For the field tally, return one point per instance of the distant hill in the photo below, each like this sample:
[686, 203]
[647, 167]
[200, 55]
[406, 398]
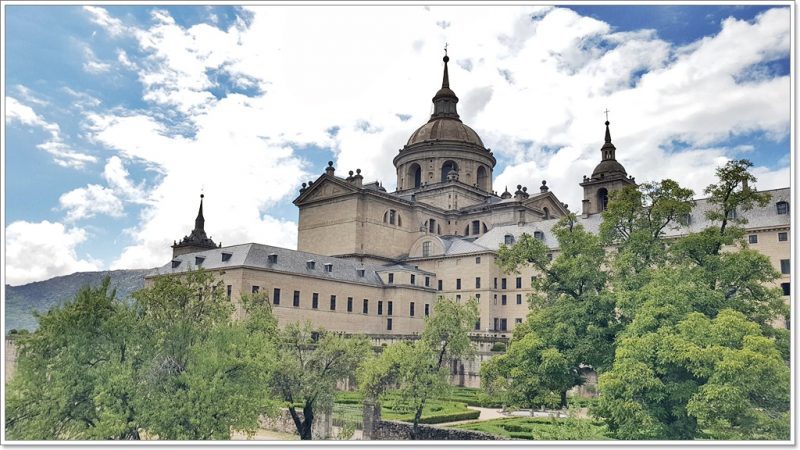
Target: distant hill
[41, 296]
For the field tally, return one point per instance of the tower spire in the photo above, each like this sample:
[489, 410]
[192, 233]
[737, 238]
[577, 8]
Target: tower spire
[200, 221]
[444, 102]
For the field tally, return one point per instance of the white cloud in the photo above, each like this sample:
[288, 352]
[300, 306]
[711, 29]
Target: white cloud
[63, 154]
[100, 16]
[92, 64]
[38, 251]
[86, 202]
[314, 70]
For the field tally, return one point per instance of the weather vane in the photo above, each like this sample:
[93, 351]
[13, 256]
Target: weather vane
[445, 49]
[606, 111]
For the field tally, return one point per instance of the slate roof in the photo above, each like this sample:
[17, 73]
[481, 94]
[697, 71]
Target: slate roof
[290, 261]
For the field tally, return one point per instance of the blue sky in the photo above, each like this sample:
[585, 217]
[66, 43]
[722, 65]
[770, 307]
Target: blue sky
[116, 117]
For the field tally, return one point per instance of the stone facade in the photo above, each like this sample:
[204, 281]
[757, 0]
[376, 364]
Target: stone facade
[436, 236]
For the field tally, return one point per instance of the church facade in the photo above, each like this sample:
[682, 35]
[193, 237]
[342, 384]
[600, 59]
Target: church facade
[371, 261]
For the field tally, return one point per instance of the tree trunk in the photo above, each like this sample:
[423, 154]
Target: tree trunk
[308, 420]
[417, 417]
[563, 399]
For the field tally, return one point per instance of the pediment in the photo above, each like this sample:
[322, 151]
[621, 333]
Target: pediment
[549, 201]
[325, 187]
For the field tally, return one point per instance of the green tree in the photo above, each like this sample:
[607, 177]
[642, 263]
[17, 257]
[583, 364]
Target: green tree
[706, 378]
[309, 363]
[74, 374]
[418, 371]
[571, 312]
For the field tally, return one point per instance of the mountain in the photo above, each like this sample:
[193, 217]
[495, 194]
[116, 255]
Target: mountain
[41, 296]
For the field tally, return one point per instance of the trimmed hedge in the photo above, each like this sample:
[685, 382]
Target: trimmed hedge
[452, 417]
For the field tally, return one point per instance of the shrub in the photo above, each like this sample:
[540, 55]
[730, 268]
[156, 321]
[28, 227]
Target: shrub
[451, 417]
[498, 347]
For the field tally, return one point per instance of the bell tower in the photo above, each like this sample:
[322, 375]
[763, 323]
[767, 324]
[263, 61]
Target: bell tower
[608, 176]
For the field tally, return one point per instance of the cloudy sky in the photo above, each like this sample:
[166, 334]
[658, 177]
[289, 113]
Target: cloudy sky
[117, 117]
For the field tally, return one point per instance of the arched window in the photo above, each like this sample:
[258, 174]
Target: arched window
[466, 231]
[602, 199]
[431, 225]
[446, 168]
[426, 248]
[783, 207]
[415, 175]
[476, 227]
[538, 235]
[482, 179]
[546, 213]
[438, 229]
[391, 217]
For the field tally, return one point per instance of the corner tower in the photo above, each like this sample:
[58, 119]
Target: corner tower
[608, 176]
[196, 241]
[444, 150]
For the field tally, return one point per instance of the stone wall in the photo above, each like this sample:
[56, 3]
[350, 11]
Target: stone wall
[11, 357]
[321, 429]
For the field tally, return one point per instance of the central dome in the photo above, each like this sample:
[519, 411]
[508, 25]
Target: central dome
[445, 129]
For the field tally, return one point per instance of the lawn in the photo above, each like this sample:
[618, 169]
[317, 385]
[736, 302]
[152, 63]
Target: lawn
[436, 410]
[541, 428]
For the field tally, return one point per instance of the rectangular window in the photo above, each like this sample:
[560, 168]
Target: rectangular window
[427, 281]
[478, 298]
[296, 299]
[753, 239]
[333, 303]
[783, 236]
[495, 299]
[229, 291]
[785, 287]
[389, 308]
[477, 260]
[458, 297]
[478, 325]
[785, 267]
[427, 309]
[413, 279]
[440, 285]
[315, 300]
[411, 309]
[391, 278]
[519, 282]
[783, 208]
[517, 320]
[549, 256]
[477, 282]
[254, 289]
[276, 296]
[458, 283]
[503, 299]
[328, 267]
[426, 248]
[388, 324]
[496, 324]
[366, 306]
[380, 307]
[519, 299]
[349, 304]
[495, 283]
[503, 324]
[503, 284]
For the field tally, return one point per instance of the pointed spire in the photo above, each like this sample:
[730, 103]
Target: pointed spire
[200, 221]
[444, 102]
[608, 150]
[608, 133]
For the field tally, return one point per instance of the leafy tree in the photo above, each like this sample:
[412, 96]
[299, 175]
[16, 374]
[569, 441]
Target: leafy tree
[74, 374]
[171, 363]
[571, 312]
[418, 371]
[308, 365]
[702, 378]
[733, 194]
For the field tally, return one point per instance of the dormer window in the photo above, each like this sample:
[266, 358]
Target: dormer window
[732, 214]
[198, 260]
[310, 264]
[328, 267]
[538, 235]
[272, 258]
[686, 219]
[783, 207]
[508, 239]
[226, 256]
[360, 272]
[176, 263]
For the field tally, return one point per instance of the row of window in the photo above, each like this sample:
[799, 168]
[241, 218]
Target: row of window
[276, 300]
[500, 324]
[413, 280]
[783, 236]
[503, 283]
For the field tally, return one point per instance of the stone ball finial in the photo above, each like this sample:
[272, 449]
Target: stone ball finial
[330, 163]
[358, 171]
[304, 185]
[202, 195]
[544, 182]
[525, 189]
[519, 186]
[350, 173]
